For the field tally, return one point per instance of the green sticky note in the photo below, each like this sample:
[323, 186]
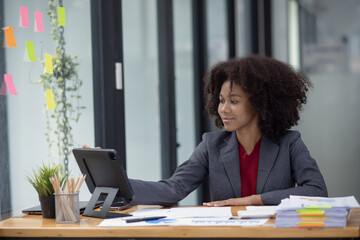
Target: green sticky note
[61, 11]
[308, 210]
[30, 51]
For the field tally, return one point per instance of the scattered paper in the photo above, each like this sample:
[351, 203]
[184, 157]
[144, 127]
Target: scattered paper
[119, 222]
[294, 202]
[151, 212]
[187, 216]
[200, 212]
[220, 222]
[260, 208]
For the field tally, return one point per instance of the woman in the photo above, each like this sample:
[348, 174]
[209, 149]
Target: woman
[257, 160]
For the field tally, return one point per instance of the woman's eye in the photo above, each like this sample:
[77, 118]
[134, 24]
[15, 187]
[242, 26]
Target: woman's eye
[222, 101]
[234, 101]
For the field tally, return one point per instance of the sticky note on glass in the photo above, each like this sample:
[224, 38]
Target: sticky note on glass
[9, 84]
[39, 26]
[9, 39]
[50, 101]
[61, 14]
[3, 88]
[30, 52]
[48, 64]
[24, 17]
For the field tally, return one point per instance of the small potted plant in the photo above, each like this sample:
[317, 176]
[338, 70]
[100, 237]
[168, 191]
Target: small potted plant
[40, 180]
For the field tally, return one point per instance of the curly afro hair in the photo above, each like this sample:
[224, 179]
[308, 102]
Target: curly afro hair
[276, 91]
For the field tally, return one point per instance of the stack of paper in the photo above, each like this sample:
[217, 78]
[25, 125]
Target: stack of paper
[183, 216]
[303, 211]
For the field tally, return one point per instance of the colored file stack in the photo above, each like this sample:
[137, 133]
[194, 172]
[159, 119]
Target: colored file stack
[302, 211]
[312, 217]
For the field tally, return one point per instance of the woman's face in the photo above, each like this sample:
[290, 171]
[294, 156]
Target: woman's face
[235, 109]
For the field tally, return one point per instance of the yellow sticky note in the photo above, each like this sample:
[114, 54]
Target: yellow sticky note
[30, 51]
[48, 64]
[50, 101]
[61, 12]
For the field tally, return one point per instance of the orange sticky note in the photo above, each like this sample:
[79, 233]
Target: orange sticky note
[61, 14]
[9, 39]
[39, 26]
[48, 64]
[50, 101]
[24, 17]
[8, 81]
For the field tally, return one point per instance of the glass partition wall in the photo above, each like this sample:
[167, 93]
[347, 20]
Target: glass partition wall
[26, 112]
[323, 39]
[23, 122]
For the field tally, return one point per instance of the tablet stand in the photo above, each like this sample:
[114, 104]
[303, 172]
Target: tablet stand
[104, 211]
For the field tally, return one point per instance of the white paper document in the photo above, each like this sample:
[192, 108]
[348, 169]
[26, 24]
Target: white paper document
[118, 222]
[219, 222]
[151, 212]
[194, 216]
[182, 212]
[295, 202]
[257, 212]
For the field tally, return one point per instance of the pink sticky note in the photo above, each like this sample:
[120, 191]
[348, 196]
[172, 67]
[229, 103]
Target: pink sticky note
[39, 27]
[24, 20]
[9, 82]
[3, 89]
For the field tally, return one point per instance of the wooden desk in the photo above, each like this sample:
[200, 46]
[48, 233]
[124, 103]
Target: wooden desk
[25, 226]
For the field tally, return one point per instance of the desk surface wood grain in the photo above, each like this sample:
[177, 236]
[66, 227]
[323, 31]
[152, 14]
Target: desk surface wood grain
[36, 226]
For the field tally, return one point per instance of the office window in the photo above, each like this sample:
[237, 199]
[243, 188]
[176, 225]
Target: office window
[323, 40]
[26, 122]
[243, 28]
[218, 46]
[141, 86]
[184, 84]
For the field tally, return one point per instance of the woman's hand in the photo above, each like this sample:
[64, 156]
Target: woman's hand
[88, 147]
[245, 201]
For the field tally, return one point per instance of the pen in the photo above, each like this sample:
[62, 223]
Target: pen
[139, 219]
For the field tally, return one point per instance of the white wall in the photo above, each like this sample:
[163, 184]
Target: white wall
[27, 143]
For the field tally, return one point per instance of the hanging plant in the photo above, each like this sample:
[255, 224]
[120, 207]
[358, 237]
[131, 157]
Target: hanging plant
[66, 85]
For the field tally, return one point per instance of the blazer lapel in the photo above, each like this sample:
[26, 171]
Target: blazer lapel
[268, 153]
[230, 157]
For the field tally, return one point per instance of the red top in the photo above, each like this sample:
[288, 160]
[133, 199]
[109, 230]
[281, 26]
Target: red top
[249, 169]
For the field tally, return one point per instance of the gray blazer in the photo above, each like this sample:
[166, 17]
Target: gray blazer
[282, 165]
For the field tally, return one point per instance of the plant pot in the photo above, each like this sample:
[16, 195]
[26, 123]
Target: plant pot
[47, 204]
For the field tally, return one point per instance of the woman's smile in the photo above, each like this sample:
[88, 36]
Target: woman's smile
[227, 120]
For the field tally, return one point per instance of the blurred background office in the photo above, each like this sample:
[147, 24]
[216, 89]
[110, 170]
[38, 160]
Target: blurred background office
[142, 63]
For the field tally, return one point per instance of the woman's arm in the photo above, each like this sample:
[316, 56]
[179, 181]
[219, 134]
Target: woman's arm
[187, 177]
